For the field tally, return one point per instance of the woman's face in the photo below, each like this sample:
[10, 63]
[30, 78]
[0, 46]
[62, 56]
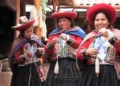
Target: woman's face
[64, 23]
[28, 32]
[101, 21]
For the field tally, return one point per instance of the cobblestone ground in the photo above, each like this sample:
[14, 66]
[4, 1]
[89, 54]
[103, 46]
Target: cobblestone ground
[5, 77]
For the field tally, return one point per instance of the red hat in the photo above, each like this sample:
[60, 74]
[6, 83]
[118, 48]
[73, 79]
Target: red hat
[102, 7]
[25, 23]
[61, 14]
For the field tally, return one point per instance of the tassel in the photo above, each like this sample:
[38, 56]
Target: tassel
[97, 66]
[58, 50]
[56, 69]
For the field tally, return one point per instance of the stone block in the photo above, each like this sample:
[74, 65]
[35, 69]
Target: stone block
[5, 78]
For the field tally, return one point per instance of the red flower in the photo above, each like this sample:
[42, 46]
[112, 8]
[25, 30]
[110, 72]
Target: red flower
[26, 47]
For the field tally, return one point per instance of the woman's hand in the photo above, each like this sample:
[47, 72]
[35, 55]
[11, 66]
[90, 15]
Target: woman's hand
[54, 41]
[29, 54]
[64, 36]
[106, 33]
[40, 52]
[103, 32]
[91, 52]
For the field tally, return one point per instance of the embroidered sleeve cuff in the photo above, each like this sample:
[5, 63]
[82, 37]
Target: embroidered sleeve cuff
[38, 54]
[50, 46]
[22, 59]
[49, 50]
[84, 55]
[114, 40]
[70, 41]
[38, 63]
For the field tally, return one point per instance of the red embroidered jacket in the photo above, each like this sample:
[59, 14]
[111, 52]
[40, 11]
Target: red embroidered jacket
[89, 41]
[75, 44]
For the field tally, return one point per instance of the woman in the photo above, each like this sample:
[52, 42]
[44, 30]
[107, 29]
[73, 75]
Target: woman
[25, 56]
[60, 49]
[100, 48]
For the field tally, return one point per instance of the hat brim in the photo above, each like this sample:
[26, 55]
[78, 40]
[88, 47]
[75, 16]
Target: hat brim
[64, 14]
[25, 25]
[109, 10]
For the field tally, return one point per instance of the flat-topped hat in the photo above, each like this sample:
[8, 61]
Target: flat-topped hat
[61, 14]
[25, 23]
[101, 7]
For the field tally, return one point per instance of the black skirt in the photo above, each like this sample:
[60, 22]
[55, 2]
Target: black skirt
[69, 74]
[26, 76]
[107, 76]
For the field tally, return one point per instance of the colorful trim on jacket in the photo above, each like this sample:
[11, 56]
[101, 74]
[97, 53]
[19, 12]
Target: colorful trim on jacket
[17, 44]
[106, 53]
[63, 50]
[110, 51]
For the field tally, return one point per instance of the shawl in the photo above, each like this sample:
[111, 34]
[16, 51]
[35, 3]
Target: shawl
[17, 44]
[77, 31]
[116, 61]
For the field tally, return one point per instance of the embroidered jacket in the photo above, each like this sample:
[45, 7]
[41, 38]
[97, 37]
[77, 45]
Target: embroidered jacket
[89, 41]
[65, 49]
[19, 48]
[112, 54]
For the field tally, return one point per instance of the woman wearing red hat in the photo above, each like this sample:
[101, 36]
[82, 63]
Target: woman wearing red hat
[25, 56]
[61, 50]
[100, 49]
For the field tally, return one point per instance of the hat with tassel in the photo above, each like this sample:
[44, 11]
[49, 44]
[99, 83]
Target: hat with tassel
[25, 23]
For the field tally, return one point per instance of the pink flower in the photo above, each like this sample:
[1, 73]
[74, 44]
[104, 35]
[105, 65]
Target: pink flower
[25, 47]
[23, 19]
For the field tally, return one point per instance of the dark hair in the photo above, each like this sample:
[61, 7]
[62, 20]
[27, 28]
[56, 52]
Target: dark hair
[70, 19]
[87, 25]
[107, 16]
[22, 33]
